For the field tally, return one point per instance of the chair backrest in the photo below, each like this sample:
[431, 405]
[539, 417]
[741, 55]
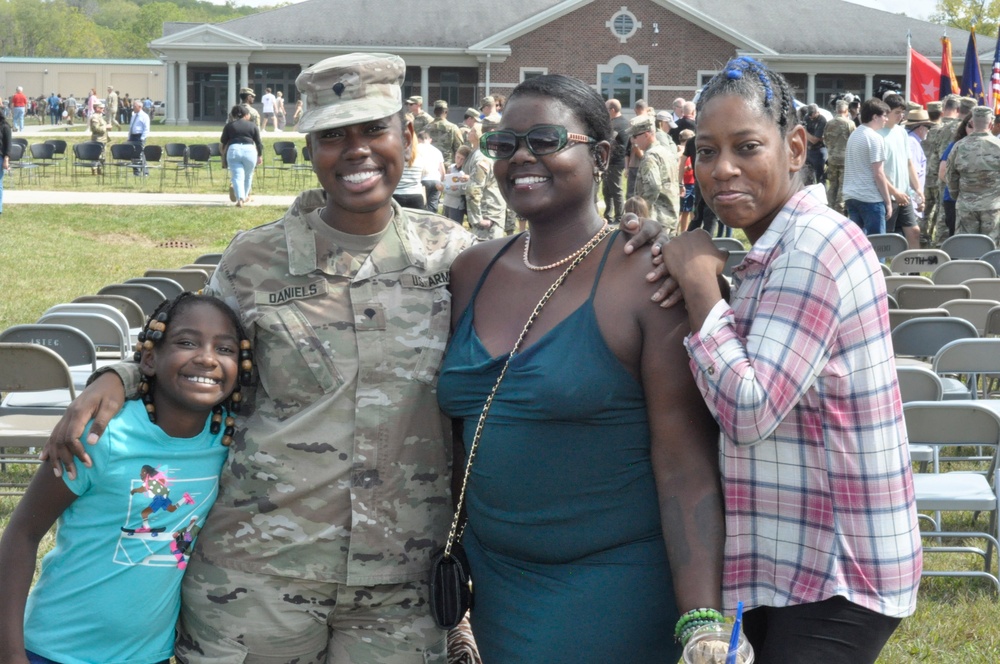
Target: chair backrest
[199, 153]
[88, 151]
[144, 295]
[928, 297]
[215, 150]
[983, 289]
[890, 301]
[289, 156]
[918, 260]
[190, 280]
[106, 333]
[728, 244]
[70, 343]
[42, 151]
[918, 384]
[897, 316]
[968, 245]
[958, 271]
[306, 154]
[924, 337]
[125, 151]
[968, 356]
[208, 259]
[975, 311]
[153, 153]
[280, 146]
[734, 259]
[951, 423]
[92, 308]
[26, 367]
[176, 150]
[887, 245]
[993, 258]
[19, 140]
[993, 322]
[128, 307]
[15, 152]
[59, 145]
[894, 281]
[168, 287]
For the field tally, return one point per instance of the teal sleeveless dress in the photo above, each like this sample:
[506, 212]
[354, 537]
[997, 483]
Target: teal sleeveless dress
[564, 536]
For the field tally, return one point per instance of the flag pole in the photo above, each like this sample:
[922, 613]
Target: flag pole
[909, 56]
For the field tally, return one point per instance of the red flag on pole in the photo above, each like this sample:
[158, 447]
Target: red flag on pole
[925, 79]
[949, 84]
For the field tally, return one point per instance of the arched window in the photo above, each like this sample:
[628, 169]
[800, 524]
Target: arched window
[624, 84]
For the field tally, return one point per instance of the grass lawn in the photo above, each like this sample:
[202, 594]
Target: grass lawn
[51, 254]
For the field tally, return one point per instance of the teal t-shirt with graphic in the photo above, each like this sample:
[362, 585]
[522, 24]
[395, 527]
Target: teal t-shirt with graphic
[110, 589]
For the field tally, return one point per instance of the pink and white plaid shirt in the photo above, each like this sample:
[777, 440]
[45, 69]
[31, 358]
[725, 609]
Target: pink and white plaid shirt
[799, 373]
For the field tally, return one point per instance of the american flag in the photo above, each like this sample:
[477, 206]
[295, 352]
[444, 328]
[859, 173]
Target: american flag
[995, 80]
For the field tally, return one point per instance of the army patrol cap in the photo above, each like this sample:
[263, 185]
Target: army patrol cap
[640, 124]
[440, 103]
[487, 100]
[98, 104]
[982, 112]
[349, 89]
[472, 113]
[966, 105]
[248, 91]
[415, 99]
[934, 106]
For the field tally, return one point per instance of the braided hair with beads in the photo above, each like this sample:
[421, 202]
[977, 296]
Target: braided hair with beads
[154, 332]
[758, 84]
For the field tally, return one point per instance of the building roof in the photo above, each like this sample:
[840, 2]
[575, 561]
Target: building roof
[824, 28]
[81, 61]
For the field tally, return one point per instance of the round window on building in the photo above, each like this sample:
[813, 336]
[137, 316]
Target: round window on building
[623, 24]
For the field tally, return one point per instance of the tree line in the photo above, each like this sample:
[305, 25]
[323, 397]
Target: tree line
[99, 28]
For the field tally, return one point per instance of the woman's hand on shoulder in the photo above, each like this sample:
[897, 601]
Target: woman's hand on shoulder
[690, 259]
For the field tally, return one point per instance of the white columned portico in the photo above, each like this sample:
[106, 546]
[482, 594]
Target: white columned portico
[245, 74]
[869, 86]
[231, 86]
[182, 98]
[811, 88]
[171, 110]
[425, 84]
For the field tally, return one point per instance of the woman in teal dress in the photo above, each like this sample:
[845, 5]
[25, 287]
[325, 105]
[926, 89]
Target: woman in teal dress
[594, 508]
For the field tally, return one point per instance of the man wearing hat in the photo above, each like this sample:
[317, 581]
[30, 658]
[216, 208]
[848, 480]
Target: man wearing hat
[973, 177]
[112, 106]
[247, 96]
[445, 135]
[657, 180]
[470, 121]
[98, 124]
[421, 118]
[835, 135]
[931, 192]
[488, 110]
[917, 124]
[335, 497]
[664, 122]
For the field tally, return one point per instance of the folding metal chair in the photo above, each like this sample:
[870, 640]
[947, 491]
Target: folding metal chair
[897, 316]
[919, 340]
[959, 271]
[146, 296]
[975, 311]
[168, 287]
[111, 341]
[915, 261]
[968, 245]
[128, 307]
[189, 280]
[929, 297]
[887, 245]
[728, 244]
[894, 281]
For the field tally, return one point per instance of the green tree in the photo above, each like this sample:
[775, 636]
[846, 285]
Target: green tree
[984, 15]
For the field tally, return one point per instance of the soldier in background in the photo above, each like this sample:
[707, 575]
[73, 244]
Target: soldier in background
[973, 176]
[470, 121]
[247, 96]
[421, 118]
[657, 179]
[932, 193]
[484, 205]
[445, 135]
[835, 136]
[488, 110]
[112, 106]
[937, 140]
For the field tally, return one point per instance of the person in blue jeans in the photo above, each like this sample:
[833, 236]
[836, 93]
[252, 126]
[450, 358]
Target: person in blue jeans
[5, 138]
[866, 187]
[240, 142]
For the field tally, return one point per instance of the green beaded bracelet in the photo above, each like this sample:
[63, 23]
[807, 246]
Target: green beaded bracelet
[699, 615]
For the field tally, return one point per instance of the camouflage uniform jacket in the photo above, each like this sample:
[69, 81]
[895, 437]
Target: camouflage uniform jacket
[482, 195]
[421, 120]
[835, 136]
[446, 137]
[340, 468]
[254, 116]
[938, 139]
[974, 172]
[657, 183]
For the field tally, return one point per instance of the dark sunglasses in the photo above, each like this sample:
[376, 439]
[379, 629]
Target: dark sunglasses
[540, 140]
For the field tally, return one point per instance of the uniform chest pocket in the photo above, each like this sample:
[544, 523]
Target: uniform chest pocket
[294, 367]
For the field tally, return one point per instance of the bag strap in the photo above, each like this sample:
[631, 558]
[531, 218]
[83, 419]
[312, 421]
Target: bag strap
[455, 534]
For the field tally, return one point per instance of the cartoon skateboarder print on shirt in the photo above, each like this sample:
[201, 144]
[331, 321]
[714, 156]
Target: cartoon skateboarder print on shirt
[155, 486]
[183, 540]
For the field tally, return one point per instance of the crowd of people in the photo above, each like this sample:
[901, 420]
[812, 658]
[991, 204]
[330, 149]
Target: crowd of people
[59, 109]
[623, 473]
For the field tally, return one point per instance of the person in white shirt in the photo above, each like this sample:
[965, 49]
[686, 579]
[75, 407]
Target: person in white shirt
[267, 103]
[432, 171]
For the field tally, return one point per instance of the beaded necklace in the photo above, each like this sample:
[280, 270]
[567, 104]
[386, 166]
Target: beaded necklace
[542, 268]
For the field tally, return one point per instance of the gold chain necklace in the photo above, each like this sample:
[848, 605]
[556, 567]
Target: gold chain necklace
[542, 268]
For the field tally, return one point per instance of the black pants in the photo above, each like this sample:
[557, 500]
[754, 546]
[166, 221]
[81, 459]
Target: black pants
[614, 199]
[949, 216]
[413, 201]
[137, 139]
[834, 631]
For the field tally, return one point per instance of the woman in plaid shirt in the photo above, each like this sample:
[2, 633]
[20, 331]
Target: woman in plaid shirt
[822, 543]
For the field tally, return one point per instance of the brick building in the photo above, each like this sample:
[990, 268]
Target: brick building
[652, 49]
